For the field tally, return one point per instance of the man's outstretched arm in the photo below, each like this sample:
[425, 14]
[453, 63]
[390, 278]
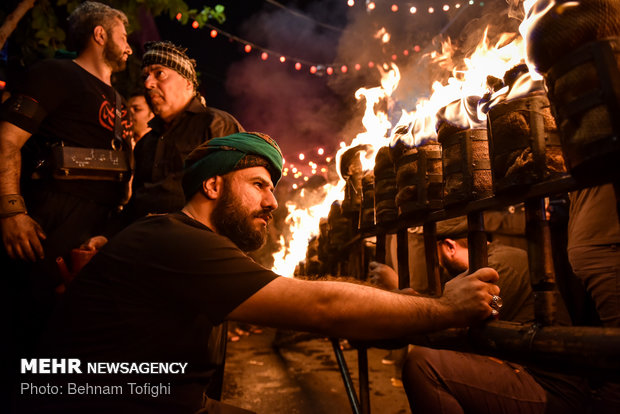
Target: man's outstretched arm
[361, 312]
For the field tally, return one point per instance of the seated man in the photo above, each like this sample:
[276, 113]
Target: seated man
[157, 289]
[443, 381]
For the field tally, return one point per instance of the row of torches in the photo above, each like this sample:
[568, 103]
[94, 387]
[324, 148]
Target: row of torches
[572, 126]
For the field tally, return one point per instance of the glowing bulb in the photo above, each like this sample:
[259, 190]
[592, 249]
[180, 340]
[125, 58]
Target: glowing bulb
[284, 173]
[195, 24]
[305, 178]
[264, 55]
[371, 64]
[297, 66]
[294, 186]
[329, 70]
[301, 157]
[323, 169]
[213, 33]
[358, 66]
[247, 48]
[179, 16]
[406, 52]
[294, 170]
[320, 151]
[394, 57]
[351, 3]
[413, 10]
[328, 159]
[371, 5]
[394, 8]
[457, 6]
[446, 7]
[431, 10]
[282, 59]
[342, 144]
[312, 69]
[416, 48]
[344, 69]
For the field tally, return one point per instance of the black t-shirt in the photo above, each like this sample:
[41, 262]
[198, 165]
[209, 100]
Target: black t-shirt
[76, 108]
[153, 293]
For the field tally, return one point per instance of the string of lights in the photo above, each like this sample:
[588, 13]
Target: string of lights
[415, 8]
[317, 68]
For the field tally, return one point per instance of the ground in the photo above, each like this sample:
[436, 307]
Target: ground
[297, 373]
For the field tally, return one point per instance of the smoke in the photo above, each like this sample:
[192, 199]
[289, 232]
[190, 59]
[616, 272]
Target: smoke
[303, 111]
[298, 109]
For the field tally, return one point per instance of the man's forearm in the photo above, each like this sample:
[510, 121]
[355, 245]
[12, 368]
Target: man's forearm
[361, 312]
[12, 139]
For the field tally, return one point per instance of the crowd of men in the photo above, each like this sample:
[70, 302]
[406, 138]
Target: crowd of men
[181, 195]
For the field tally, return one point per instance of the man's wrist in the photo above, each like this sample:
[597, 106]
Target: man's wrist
[12, 205]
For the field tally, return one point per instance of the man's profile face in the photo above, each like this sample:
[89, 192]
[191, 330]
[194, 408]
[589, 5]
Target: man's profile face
[243, 211]
[116, 50]
[168, 92]
[141, 115]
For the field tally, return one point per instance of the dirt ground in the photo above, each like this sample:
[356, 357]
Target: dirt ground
[297, 373]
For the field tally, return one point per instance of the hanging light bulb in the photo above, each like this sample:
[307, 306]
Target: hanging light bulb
[329, 70]
[282, 59]
[213, 33]
[371, 64]
[264, 56]
[297, 66]
[247, 48]
[413, 10]
[313, 69]
[179, 16]
[344, 69]
[195, 24]
[351, 3]
[394, 8]
[358, 66]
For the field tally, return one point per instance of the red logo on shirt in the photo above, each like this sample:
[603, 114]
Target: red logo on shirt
[106, 115]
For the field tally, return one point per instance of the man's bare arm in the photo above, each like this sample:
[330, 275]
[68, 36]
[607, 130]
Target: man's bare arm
[21, 235]
[361, 312]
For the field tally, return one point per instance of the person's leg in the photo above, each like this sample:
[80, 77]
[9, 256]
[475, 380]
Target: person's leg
[439, 381]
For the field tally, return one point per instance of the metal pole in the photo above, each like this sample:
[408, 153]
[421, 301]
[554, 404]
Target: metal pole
[346, 377]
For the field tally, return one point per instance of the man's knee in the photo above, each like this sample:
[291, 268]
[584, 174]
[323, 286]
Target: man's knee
[417, 367]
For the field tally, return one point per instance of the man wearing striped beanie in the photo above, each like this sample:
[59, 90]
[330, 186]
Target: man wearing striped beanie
[182, 122]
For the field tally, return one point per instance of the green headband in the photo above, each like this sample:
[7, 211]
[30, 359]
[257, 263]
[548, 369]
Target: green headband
[224, 153]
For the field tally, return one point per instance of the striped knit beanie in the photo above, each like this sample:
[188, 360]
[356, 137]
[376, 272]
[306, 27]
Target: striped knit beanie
[171, 56]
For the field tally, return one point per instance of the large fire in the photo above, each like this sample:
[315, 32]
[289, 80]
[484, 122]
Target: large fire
[461, 100]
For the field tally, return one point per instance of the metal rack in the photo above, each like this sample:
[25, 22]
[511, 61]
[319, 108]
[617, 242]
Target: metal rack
[583, 348]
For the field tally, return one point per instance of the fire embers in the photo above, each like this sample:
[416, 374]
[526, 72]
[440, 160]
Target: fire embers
[577, 48]
[385, 187]
[466, 165]
[418, 177]
[523, 142]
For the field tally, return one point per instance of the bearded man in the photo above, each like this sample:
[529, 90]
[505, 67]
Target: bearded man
[157, 289]
[61, 103]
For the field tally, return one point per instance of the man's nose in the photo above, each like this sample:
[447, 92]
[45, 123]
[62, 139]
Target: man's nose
[269, 201]
[149, 82]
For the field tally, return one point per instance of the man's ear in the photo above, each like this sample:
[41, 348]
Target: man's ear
[212, 187]
[99, 35]
[449, 246]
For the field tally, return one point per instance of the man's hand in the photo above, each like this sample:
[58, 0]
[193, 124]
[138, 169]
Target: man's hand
[22, 237]
[469, 296]
[94, 243]
[383, 276]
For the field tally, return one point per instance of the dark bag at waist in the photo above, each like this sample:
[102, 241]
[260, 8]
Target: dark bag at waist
[76, 163]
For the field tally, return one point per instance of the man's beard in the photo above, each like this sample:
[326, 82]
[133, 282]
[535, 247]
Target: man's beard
[113, 56]
[236, 222]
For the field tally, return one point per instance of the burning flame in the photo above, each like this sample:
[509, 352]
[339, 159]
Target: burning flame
[304, 224]
[458, 100]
